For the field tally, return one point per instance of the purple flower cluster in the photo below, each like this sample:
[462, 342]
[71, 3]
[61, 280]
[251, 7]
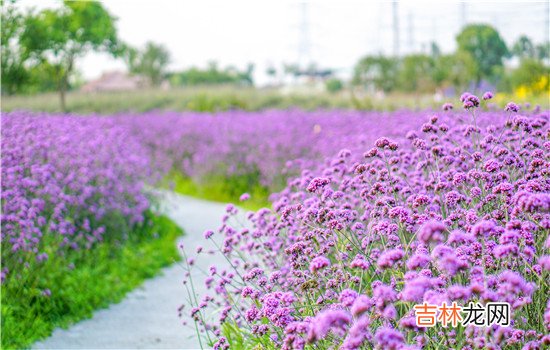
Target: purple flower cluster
[268, 147]
[63, 179]
[455, 209]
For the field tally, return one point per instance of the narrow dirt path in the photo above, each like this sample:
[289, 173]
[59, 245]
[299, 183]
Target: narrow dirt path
[147, 318]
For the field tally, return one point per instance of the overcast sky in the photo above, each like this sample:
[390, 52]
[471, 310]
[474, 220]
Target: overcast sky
[334, 34]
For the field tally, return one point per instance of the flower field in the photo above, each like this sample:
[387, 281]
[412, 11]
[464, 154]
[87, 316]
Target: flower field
[77, 227]
[444, 208]
[373, 213]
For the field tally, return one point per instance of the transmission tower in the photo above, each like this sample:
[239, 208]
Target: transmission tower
[547, 22]
[463, 14]
[411, 32]
[304, 45]
[395, 28]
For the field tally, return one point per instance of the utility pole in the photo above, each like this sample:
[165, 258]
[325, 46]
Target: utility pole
[395, 28]
[547, 22]
[463, 14]
[411, 32]
[304, 46]
[434, 32]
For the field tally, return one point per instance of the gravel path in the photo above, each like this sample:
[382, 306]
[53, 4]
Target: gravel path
[147, 318]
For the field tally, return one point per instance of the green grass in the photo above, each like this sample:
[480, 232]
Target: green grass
[201, 99]
[221, 98]
[101, 276]
[217, 189]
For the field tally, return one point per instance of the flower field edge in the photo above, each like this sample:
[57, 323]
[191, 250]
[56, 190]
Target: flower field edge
[101, 276]
[221, 189]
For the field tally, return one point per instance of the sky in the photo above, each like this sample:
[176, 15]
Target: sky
[332, 33]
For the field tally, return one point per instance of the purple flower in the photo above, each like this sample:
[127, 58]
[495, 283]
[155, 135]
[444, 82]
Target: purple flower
[382, 142]
[532, 202]
[414, 289]
[447, 106]
[418, 260]
[383, 294]
[487, 95]
[389, 338]
[431, 231]
[244, 197]
[361, 304]
[358, 334]
[469, 100]
[318, 263]
[329, 320]
[317, 183]
[347, 297]
[389, 258]
[511, 107]
[544, 261]
[360, 262]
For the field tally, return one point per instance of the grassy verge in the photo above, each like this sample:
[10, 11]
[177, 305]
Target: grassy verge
[201, 99]
[221, 190]
[221, 98]
[82, 281]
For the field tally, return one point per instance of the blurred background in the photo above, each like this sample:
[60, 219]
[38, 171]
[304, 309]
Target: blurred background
[216, 55]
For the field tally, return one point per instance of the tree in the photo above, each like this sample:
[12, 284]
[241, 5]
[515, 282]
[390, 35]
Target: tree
[213, 76]
[378, 71]
[485, 46]
[524, 48]
[435, 51]
[543, 51]
[530, 74]
[291, 69]
[456, 70]
[151, 62]
[416, 73]
[246, 76]
[334, 85]
[14, 73]
[61, 36]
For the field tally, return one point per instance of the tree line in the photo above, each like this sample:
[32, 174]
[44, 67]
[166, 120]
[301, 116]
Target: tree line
[40, 50]
[480, 56]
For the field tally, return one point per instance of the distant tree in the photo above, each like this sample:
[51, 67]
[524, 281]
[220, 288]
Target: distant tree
[291, 69]
[456, 70]
[61, 36]
[543, 51]
[14, 73]
[530, 73]
[416, 73]
[378, 71]
[246, 76]
[486, 47]
[151, 62]
[524, 48]
[271, 71]
[213, 76]
[334, 85]
[435, 51]
[41, 77]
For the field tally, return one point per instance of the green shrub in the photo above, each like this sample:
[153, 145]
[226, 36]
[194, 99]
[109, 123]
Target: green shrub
[334, 85]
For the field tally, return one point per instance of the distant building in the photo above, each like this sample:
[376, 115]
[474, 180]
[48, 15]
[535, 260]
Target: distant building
[115, 81]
